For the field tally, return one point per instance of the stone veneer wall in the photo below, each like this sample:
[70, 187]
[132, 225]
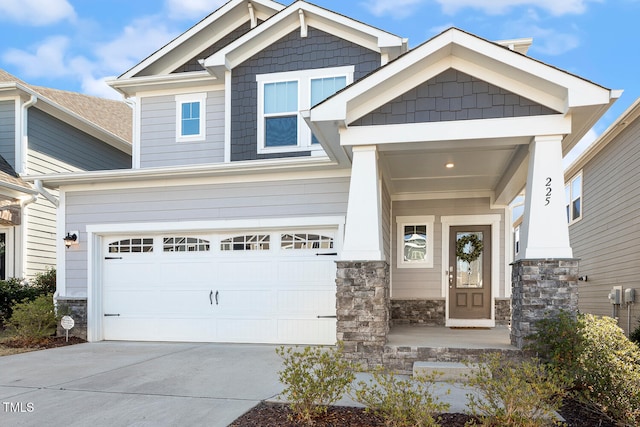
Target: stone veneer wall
[363, 310]
[541, 289]
[77, 309]
[418, 312]
[503, 311]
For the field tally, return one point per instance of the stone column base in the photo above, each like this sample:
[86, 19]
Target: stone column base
[541, 288]
[77, 309]
[362, 310]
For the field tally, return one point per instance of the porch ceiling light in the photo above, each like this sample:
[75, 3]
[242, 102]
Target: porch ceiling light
[449, 165]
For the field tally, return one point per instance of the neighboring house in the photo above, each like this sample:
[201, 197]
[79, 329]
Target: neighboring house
[302, 177]
[603, 195]
[46, 131]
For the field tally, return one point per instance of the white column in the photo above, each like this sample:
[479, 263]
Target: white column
[363, 230]
[545, 232]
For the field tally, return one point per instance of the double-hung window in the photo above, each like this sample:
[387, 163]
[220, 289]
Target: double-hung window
[281, 98]
[190, 117]
[573, 195]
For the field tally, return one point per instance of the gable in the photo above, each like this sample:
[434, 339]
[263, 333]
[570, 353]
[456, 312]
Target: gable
[194, 65]
[291, 53]
[452, 95]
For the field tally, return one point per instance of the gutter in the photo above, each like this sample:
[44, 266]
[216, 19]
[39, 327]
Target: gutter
[24, 138]
[50, 197]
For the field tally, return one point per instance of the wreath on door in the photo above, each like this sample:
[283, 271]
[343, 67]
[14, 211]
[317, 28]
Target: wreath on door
[476, 248]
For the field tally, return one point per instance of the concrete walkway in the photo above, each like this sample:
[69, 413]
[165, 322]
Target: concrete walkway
[145, 384]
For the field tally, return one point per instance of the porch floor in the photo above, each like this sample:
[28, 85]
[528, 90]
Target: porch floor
[443, 337]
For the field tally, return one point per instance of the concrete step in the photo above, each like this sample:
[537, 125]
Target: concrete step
[446, 371]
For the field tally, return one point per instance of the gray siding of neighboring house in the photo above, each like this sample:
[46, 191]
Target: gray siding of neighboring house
[54, 147]
[54, 138]
[8, 132]
[606, 238]
[158, 145]
[426, 283]
[194, 65]
[452, 95]
[269, 199]
[291, 53]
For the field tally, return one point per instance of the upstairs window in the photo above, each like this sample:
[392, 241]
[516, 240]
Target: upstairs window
[281, 98]
[190, 117]
[573, 194]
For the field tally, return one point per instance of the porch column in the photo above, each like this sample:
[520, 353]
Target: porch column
[545, 232]
[544, 275]
[363, 230]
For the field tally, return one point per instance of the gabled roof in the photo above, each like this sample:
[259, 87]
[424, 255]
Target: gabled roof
[299, 15]
[203, 34]
[10, 182]
[105, 119]
[549, 86]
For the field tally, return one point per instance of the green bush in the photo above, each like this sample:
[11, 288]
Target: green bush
[14, 290]
[604, 364]
[35, 319]
[314, 378]
[525, 394]
[401, 402]
[634, 335]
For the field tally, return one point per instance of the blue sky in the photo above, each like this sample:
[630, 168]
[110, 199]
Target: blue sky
[75, 44]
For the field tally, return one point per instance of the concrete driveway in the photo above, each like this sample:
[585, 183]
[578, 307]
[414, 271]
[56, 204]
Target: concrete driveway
[136, 384]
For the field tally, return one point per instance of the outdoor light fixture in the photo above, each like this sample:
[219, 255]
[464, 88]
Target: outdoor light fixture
[71, 238]
[449, 165]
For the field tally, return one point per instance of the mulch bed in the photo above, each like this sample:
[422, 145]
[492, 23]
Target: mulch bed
[42, 343]
[268, 414]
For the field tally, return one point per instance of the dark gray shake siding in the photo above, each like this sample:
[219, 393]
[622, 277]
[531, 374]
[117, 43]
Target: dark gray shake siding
[57, 139]
[8, 132]
[452, 95]
[291, 53]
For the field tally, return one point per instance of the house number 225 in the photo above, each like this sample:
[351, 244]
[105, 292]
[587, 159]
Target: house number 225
[547, 198]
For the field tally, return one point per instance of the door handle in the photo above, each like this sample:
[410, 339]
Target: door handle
[216, 297]
[211, 297]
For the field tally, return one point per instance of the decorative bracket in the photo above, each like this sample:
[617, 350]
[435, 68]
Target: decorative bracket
[303, 24]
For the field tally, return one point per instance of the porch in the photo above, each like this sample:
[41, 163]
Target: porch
[407, 344]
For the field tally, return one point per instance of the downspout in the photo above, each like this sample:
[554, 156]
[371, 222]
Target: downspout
[21, 164]
[50, 197]
[20, 265]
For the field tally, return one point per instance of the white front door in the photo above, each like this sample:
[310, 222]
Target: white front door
[258, 287]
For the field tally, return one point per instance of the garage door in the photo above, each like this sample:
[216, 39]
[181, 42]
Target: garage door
[251, 287]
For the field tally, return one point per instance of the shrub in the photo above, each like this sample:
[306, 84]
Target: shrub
[313, 378]
[35, 319]
[401, 402]
[15, 290]
[45, 283]
[526, 393]
[604, 364]
[634, 335]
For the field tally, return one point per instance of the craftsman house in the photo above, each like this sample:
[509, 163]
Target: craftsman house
[603, 195]
[44, 131]
[299, 176]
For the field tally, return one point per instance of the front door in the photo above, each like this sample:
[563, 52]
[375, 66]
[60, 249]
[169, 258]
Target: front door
[470, 272]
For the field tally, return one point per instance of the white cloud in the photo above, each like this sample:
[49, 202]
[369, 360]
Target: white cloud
[546, 40]
[192, 9]
[36, 12]
[499, 7]
[394, 8]
[48, 59]
[579, 148]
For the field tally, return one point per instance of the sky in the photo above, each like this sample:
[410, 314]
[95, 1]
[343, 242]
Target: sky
[75, 44]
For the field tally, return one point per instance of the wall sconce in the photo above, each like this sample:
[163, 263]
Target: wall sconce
[71, 238]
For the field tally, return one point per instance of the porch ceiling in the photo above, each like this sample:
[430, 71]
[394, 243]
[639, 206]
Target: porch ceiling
[421, 168]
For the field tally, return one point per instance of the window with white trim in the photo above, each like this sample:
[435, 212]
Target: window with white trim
[281, 98]
[247, 242]
[415, 241]
[305, 241]
[190, 117]
[573, 195]
[185, 244]
[136, 245]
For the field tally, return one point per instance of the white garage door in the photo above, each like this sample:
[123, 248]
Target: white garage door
[257, 287]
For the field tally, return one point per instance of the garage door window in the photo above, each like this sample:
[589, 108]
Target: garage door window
[185, 244]
[247, 242]
[306, 241]
[131, 246]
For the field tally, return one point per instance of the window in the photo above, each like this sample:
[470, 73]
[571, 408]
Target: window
[305, 241]
[131, 246]
[573, 195]
[249, 242]
[190, 117]
[415, 241]
[281, 97]
[185, 244]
